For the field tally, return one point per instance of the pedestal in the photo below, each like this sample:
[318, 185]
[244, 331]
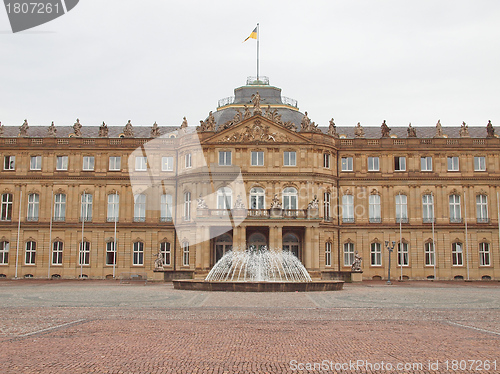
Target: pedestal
[357, 276]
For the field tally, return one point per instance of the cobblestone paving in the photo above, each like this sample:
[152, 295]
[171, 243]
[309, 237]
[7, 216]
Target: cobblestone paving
[107, 327]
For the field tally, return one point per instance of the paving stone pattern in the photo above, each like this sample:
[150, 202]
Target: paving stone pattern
[107, 327]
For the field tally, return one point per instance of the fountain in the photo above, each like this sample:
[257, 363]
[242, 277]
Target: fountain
[258, 270]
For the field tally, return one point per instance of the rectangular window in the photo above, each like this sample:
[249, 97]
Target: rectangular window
[140, 208]
[36, 163]
[141, 163]
[62, 163]
[6, 211]
[429, 254]
[115, 163]
[401, 209]
[30, 253]
[348, 208]
[327, 206]
[479, 163]
[113, 207]
[9, 163]
[403, 255]
[427, 208]
[374, 209]
[59, 207]
[373, 164]
[453, 163]
[166, 208]
[482, 208]
[455, 213]
[290, 158]
[185, 254]
[326, 160]
[425, 163]
[257, 158]
[224, 158]
[33, 205]
[88, 163]
[110, 253]
[165, 253]
[187, 160]
[4, 253]
[328, 254]
[84, 253]
[457, 254]
[400, 163]
[86, 207]
[187, 206]
[346, 164]
[167, 163]
[348, 254]
[484, 254]
[138, 253]
[57, 252]
[376, 254]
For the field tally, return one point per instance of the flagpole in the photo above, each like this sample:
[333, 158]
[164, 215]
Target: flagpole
[434, 254]
[114, 245]
[18, 229]
[50, 231]
[82, 248]
[258, 36]
[466, 236]
[498, 212]
[400, 242]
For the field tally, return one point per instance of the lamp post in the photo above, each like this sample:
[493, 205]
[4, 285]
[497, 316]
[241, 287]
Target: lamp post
[389, 248]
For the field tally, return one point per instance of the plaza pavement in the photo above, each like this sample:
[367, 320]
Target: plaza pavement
[107, 327]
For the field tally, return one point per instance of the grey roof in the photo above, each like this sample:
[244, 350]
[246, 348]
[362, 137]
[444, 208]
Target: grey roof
[87, 131]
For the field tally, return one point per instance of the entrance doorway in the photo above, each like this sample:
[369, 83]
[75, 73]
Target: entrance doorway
[291, 243]
[223, 244]
[257, 241]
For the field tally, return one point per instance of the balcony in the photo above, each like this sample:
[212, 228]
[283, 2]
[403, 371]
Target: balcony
[32, 219]
[59, 219]
[87, 219]
[402, 220]
[456, 220]
[347, 220]
[165, 219]
[257, 213]
[483, 220]
[375, 220]
[112, 219]
[139, 219]
[428, 220]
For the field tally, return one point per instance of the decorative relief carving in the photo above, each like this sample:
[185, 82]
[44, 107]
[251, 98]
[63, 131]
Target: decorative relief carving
[255, 132]
[307, 126]
[208, 125]
[464, 130]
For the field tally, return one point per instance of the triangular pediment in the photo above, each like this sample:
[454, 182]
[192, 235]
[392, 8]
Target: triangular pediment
[256, 129]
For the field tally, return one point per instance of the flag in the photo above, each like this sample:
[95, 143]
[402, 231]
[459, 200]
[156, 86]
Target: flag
[253, 35]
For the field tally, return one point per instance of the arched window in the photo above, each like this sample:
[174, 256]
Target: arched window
[455, 213]
[33, 205]
[224, 198]
[257, 241]
[257, 198]
[457, 254]
[113, 207]
[86, 211]
[6, 211]
[59, 207]
[84, 251]
[4, 253]
[291, 243]
[223, 244]
[165, 252]
[138, 249]
[30, 253]
[290, 198]
[187, 206]
[57, 253]
[139, 208]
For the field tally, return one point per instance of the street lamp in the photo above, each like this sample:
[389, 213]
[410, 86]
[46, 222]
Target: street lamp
[389, 248]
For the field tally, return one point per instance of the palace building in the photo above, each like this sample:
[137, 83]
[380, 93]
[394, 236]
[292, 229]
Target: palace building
[168, 202]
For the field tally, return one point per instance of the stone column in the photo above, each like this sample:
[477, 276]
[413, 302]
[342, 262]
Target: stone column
[307, 254]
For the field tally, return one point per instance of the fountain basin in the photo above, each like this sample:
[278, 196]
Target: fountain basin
[257, 286]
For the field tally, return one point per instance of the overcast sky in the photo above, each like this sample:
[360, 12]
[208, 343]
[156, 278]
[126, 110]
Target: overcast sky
[157, 60]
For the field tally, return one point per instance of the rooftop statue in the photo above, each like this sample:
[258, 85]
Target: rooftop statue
[386, 131]
[201, 203]
[23, 129]
[412, 132]
[128, 130]
[332, 129]
[275, 203]
[358, 131]
[77, 128]
[464, 131]
[439, 130]
[256, 103]
[490, 130]
[184, 123]
[1, 129]
[103, 130]
[155, 130]
[52, 131]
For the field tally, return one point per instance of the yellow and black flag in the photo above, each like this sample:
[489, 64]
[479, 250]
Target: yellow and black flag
[253, 35]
